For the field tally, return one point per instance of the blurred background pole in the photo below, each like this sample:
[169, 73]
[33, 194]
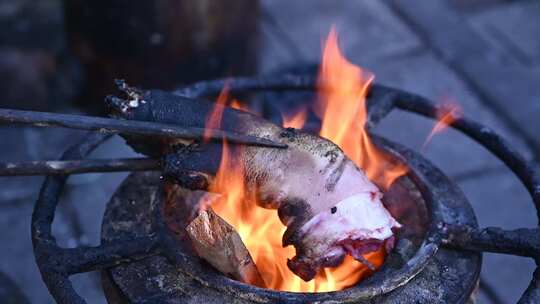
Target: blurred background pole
[161, 43]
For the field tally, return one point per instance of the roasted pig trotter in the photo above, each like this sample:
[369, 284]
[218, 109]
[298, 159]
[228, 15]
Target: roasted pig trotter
[328, 204]
[220, 245]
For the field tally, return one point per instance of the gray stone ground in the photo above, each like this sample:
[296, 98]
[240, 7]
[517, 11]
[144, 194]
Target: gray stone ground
[483, 54]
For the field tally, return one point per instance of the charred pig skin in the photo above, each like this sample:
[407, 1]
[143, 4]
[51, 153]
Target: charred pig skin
[328, 204]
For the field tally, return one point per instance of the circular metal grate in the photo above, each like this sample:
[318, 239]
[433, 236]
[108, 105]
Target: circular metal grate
[57, 264]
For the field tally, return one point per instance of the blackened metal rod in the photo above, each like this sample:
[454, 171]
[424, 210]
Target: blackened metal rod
[243, 84]
[131, 127]
[45, 246]
[84, 259]
[62, 167]
[522, 242]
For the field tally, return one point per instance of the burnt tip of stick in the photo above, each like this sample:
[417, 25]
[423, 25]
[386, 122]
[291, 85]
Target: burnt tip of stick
[120, 84]
[132, 92]
[116, 106]
[114, 102]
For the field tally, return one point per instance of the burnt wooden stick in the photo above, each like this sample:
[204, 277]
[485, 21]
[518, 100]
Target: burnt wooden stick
[62, 167]
[132, 127]
[219, 244]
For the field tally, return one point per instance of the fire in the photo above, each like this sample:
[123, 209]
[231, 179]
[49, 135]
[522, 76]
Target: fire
[343, 88]
[446, 115]
[261, 231]
[295, 119]
[341, 104]
[237, 104]
[213, 121]
[259, 228]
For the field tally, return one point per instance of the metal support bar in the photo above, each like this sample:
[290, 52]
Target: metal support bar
[381, 101]
[132, 127]
[522, 242]
[63, 167]
[84, 259]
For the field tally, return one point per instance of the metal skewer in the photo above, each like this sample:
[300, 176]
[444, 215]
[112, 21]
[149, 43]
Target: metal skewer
[132, 127]
[57, 167]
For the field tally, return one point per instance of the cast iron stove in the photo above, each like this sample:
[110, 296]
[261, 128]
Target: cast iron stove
[437, 257]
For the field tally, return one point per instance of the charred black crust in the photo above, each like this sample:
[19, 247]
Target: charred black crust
[266, 200]
[122, 85]
[333, 155]
[188, 179]
[174, 172]
[306, 268]
[333, 261]
[114, 105]
[305, 271]
[190, 165]
[199, 158]
[292, 208]
[335, 176]
[289, 134]
[180, 148]
[295, 212]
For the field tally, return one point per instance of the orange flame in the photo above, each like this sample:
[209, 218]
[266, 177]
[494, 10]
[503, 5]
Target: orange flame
[449, 112]
[343, 88]
[213, 121]
[295, 119]
[261, 230]
[341, 103]
[236, 104]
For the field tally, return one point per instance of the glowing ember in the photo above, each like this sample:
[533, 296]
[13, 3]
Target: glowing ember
[341, 105]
